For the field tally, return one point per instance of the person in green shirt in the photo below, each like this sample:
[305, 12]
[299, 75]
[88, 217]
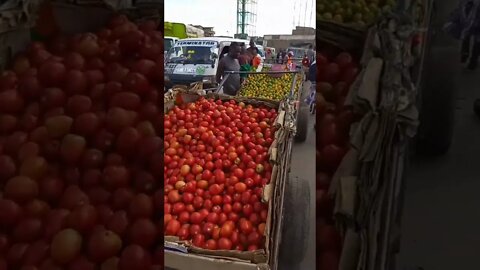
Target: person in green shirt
[244, 60]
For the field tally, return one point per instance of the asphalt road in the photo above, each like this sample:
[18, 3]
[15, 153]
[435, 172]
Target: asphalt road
[441, 222]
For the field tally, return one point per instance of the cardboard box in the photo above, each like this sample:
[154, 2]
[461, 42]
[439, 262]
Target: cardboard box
[182, 255]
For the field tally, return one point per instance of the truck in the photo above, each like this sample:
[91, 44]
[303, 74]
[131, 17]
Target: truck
[174, 31]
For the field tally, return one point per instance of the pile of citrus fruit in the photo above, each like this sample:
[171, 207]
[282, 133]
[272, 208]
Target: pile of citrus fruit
[269, 87]
[357, 12]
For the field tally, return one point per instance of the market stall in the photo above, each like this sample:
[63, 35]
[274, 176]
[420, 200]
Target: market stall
[257, 92]
[80, 135]
[255, 248]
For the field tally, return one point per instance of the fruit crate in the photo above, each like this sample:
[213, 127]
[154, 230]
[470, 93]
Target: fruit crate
[182, 254]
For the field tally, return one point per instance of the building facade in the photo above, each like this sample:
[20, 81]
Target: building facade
[301, 37]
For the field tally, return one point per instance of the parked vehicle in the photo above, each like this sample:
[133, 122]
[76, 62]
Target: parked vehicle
[195, 59]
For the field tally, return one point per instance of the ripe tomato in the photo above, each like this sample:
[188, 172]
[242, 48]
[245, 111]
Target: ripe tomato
[199, 240]
[207, 204]
[238, 173]
[217, 199]
[227, 208]
[198, 202]
[227, 229]
[224, 243]
[213, 218]
[196, 218]
[207, 228]
[247, 210]
[240, 187]
[215, 189]
[246, 226]
[184, 217]
[211, 244]
[172, 227]
[195, 229]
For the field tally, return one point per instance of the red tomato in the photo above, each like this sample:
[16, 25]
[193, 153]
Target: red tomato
[196, 218]
[211, 244]
[246, 226]
[172, 227]
[224, 243]
[199, 240]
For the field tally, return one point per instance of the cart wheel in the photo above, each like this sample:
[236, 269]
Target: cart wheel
[295, 232]
[302, 124]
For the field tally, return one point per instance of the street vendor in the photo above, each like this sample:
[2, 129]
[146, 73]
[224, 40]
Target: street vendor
[230, 63]
[244, 57]
[257, 59]
[245, 61]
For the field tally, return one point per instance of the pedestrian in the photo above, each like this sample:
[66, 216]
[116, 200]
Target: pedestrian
[464, 24]
[289, 61]
[245, 62]
[311, 53]
[257, 59]
[284, 57]
[230, 63]
[279, 56]
[244, 57]
[268, 54]
[471, 34]
[305, 60]
[252, 47]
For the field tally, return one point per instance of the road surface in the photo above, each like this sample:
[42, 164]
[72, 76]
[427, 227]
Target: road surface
[441, 219]
[303, 170]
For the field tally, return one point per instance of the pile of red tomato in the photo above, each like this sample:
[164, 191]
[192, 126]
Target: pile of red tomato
[334, 119]
[81, 150]
[216, 165]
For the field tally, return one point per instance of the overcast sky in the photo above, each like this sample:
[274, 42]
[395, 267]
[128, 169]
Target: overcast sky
[273, 16]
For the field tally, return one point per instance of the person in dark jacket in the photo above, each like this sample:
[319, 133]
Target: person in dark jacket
[279, 56]
[470, 49]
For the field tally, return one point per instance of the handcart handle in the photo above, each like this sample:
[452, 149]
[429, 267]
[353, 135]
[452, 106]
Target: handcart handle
[220, 85]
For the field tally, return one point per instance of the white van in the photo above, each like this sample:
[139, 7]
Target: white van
[196, 59]
[168, 43]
